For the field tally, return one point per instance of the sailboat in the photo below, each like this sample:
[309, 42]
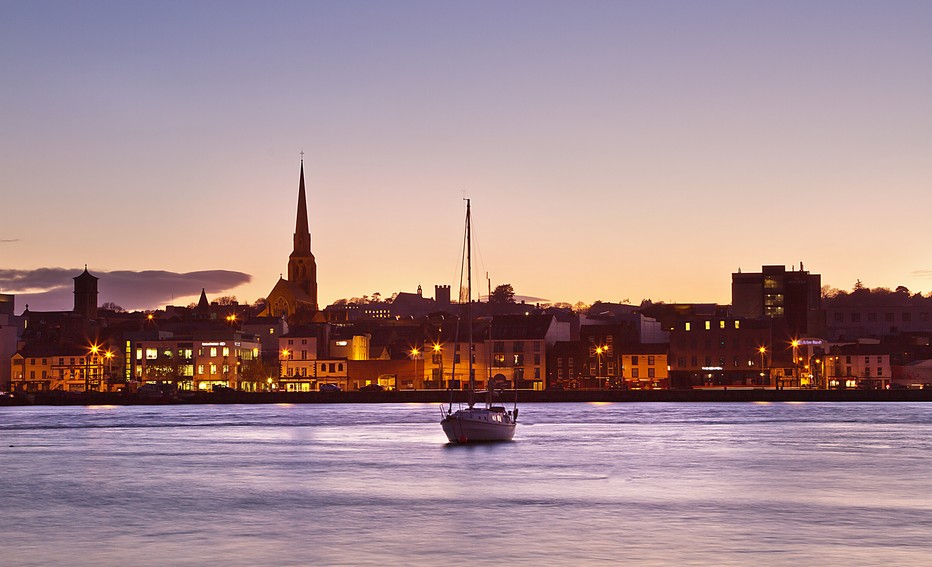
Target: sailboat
[488, 422]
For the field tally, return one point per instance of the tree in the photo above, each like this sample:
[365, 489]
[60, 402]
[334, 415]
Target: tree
[227, 300]
[502, 294]
[166, 369]
[110, 306]
[902, 289]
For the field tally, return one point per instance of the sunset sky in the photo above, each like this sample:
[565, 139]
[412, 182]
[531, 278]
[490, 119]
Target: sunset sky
[612, 149]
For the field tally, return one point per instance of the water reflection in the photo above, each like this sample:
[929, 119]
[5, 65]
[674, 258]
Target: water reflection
[691, 484]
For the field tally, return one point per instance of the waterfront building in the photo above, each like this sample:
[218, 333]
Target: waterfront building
[197, 362]
[794, 296]
[67, 368]
[732, 351]
[859, 365]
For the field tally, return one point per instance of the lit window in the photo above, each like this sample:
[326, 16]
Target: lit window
[687, 326]
[708, 325]
[736, 325]
[226, 351]
[152, 354]
[721, 324]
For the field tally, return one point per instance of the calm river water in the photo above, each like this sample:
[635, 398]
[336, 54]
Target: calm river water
[582, 484]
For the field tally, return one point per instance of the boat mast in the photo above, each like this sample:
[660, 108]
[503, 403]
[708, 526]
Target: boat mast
[472, 380]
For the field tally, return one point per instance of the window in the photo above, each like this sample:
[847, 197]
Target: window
[879, 371]
[498, 360]
[687, 326]
[855, 317]
[634, 372]
[518, 346]
[303, 355]
[871, 317]
[519, 359]
[907, 316]
[499, 346]
[200, 368]
[537, 359]
[226, 351]
[213, 368]
[634, 360]
[694, 361]
[536, 346]
[537, 373]
[708, 325]
[152, 354]
[737, 325]
[436, 358]
[721, 324]
[650, 359]
[650, 373]
[213, 351]
[879, 360]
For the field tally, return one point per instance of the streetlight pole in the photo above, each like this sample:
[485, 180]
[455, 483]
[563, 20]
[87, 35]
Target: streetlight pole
[87, 366]
[414, 353]
[762, 351]
[598, 371]
[439, 351]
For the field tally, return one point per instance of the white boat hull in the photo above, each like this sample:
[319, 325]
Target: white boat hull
[478, 425]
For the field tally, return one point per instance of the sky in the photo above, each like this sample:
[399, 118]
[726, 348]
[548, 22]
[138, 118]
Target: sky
[612, 150]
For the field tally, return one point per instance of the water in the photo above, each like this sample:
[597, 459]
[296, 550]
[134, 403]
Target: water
[582, 484]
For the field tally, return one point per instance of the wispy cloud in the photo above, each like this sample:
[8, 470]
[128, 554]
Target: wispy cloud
[52, 288]
[921, 273]
[6, 240]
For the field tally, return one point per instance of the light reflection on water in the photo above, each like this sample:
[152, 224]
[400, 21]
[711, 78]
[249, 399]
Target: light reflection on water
[582, 484]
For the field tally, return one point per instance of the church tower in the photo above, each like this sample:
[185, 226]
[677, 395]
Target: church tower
[85, 295]
[296, 295]
[302, 267]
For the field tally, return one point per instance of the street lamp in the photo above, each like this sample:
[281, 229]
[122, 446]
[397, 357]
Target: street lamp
[598, 351]
[109, 357]
[795, 344]
[414, 353]
[87, 366]
[285, 354]
[439, 351]
[762, 350]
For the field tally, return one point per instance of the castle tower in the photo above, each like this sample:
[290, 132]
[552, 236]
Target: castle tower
[302, 267]
[85, 295]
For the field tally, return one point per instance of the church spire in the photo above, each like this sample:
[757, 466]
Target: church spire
[302, 267]
[302, 234]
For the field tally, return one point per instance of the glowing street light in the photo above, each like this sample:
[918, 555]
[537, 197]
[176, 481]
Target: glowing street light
[763, 351]
[598, 351]
[414, 353]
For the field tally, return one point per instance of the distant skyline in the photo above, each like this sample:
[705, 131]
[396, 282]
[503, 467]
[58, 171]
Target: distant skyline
[611, 150]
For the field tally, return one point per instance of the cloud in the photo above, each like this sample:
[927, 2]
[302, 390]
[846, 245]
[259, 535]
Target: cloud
[5, 240]
[51, 289]
[921, 273]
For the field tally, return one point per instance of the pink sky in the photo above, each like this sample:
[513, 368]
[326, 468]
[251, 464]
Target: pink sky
[612, 150]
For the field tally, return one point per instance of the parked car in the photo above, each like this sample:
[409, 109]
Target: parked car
[371, 388]
[329, 388]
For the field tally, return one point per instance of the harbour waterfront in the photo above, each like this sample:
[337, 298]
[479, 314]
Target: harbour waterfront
[373, 484]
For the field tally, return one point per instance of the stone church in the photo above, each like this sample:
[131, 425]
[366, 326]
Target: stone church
[296, 297]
